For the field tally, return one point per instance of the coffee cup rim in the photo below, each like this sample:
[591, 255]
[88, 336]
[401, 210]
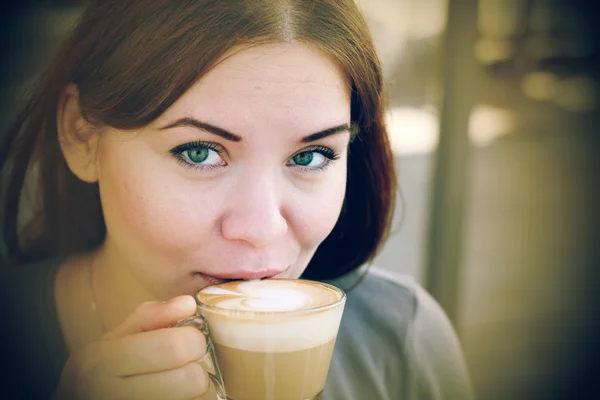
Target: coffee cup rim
[336, 303]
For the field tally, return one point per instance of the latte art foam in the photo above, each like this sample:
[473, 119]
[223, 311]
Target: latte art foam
[266, 296]
[271, 315]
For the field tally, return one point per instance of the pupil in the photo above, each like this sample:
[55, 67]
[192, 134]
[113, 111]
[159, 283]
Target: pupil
[198, 155]
[304, 158]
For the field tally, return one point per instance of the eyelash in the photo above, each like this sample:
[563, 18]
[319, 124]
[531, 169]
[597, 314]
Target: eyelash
[328, 153]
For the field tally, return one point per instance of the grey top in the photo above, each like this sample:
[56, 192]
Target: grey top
[394, 342]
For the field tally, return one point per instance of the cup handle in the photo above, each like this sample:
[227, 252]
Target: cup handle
[209, 360]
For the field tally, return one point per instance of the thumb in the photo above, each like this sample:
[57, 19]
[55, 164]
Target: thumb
[153, 315]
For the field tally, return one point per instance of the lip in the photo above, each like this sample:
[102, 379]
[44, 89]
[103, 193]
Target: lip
[249, 275]
[211, 280]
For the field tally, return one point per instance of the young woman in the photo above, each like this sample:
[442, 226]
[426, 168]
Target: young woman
[176, 144]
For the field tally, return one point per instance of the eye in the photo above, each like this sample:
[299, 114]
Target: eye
[314, 159]
[309, 159]
[199, 155]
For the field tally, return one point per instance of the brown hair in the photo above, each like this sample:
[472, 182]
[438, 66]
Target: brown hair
[131, 59]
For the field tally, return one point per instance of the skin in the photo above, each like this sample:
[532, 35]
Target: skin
[181, 218]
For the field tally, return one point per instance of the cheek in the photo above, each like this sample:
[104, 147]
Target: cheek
[318, 211]
[147, 208]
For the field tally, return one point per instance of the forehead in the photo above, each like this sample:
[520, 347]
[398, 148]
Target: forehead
[275, 82]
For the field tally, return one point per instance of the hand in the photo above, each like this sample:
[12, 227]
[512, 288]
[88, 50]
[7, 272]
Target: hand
[141, 359]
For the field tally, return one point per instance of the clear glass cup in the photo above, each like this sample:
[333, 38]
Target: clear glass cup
[270, 355]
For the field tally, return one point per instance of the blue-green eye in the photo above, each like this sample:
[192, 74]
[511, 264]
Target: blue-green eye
[304, 158]
[316, 158]
[199, 154]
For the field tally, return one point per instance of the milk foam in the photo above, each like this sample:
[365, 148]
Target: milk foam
[262, 323]
[262, 296]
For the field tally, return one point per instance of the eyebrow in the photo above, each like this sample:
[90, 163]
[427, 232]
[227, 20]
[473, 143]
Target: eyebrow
[205, 127]
[194, 123]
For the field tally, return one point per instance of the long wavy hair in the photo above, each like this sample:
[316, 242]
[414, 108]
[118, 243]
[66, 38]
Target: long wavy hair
[132, 59]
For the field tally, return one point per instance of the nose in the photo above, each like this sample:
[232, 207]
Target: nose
[254, 213]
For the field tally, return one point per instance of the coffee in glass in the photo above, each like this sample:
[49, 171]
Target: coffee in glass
[273, 338]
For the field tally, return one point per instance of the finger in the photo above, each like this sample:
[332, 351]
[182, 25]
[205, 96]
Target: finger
[155, 315]
[186, 382]
[154, 351]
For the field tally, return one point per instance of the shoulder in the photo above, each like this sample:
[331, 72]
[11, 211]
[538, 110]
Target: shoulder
[431, 346]
[403, 319]
[379, 312]
[397, 298]
[388, 299]
[369, 356]
[406, 301]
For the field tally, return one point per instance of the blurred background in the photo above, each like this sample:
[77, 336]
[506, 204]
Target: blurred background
[494, 119]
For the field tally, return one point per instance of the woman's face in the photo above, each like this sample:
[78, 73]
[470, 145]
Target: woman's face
[242, 178]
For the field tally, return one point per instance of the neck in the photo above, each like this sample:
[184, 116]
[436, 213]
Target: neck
[116, 291]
